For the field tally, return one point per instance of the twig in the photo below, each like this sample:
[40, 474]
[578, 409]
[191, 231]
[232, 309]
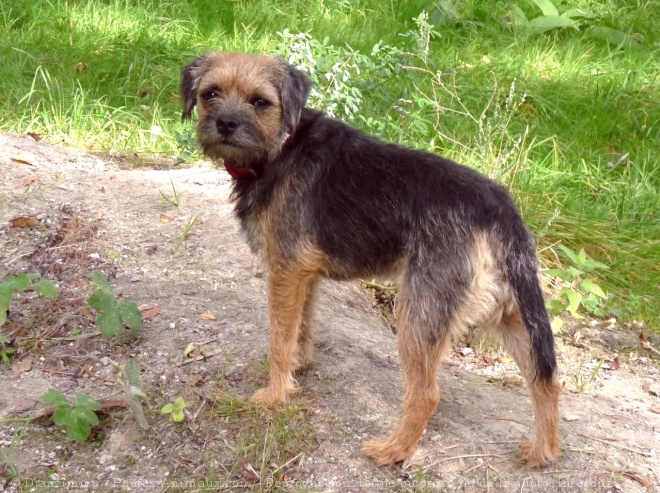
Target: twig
[613, 444]
[373, 284]
[57, 372]
[648, 347]
[84, 369]
[287, 463]
[199, 358]
[460, 457]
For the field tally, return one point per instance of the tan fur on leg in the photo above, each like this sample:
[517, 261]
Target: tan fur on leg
[543, 448]
[421, 398]
[287, 295]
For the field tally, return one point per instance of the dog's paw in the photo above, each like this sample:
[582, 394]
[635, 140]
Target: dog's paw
[386, 451]
[269, 397]
[537, 455]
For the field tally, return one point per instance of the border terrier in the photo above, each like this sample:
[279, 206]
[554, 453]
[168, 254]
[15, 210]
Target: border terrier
[319, 199]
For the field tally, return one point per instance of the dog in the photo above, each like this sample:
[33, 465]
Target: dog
[319, 199]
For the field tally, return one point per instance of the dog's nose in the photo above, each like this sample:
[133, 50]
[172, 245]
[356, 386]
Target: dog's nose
[227, 125]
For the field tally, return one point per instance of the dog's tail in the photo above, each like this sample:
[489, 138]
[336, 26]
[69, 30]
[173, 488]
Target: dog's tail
[522, 271]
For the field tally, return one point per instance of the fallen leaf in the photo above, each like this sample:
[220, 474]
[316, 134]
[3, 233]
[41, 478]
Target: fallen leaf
[22, 366]
[504, 360]
[24, 222]
[642, 336]
[190, 351]
[151, 313]
[36, 137]
[165, 218]
[488, 360]
[113, 177]
[249, 474]
[616, 364]
[24, 158]
[87, 313]
[30, 180]
[208, 316]
[81, 67]
[655, 410]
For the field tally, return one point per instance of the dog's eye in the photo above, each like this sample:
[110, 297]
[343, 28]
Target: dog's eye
[207, 96]
[260, 103]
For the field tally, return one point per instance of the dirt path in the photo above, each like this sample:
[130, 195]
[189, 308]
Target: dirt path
[94, 215]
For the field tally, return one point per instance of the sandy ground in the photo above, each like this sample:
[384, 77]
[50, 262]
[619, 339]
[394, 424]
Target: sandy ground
[98, 212]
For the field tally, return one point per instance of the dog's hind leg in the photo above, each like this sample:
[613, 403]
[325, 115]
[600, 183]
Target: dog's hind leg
[425, 321]
[544, 445]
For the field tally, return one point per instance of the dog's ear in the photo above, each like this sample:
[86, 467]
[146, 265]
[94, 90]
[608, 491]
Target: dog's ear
[189, 77]
[295, 90]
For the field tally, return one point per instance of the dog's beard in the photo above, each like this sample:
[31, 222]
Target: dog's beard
[242, 149]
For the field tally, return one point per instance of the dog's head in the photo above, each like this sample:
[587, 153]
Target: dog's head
[247, 105]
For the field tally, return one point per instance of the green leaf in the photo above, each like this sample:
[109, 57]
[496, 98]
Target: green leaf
[560, 273]
[556, 325]
[591, 265]
[102, 300]
[574, 299]
[585, 14]
[78, 430]
[109, 324]
[23, 281]
[85, 401]
[54, 398]
[555, 306]
[84, 414]
[547, 7]
[582, 257]
[179, 403]
[46, 288]
[518, 16]
[549, 22]
[612, 36]
[100, 281]
[569, 253]
[592, 287]
[167, 408]
[8, 282]
[177, 416]
[6, 295]
[61, 415]
[129, 312]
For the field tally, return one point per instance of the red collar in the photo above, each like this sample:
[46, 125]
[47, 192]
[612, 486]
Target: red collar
[239, 173]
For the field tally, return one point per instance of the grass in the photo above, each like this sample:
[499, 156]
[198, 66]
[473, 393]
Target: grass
[266, 443]
[570, 122]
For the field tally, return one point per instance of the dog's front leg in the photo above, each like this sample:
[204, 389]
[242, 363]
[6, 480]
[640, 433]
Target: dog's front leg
[287, 292]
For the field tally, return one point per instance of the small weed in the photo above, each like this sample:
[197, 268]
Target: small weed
[268, 442]
[188, 146]
[579, 378]
[113, 313]
[578, 290]
[5, 350]
[575, 18]
[10, 468]
[78, 417]
[175, 199]
[22, 282]
[175, 410]
[186, 231]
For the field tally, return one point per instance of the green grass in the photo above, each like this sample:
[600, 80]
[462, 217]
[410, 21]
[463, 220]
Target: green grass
[577, 138]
